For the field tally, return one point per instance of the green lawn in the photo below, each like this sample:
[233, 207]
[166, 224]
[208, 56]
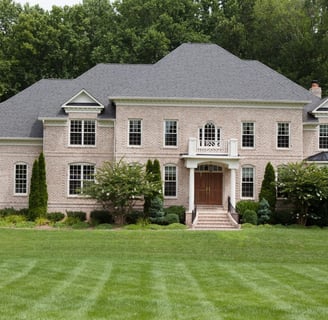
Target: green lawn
[257, 273]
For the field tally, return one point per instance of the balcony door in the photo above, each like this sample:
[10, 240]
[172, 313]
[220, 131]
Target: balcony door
[208, 185]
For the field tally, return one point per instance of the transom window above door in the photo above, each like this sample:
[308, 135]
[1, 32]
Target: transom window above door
[209, 135]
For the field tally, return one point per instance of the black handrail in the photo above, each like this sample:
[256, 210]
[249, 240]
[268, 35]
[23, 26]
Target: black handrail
[193, 215]
[232, 210]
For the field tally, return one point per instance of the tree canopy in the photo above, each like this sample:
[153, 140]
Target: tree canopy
[289, 36]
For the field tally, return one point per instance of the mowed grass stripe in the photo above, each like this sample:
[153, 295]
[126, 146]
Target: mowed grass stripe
[269, 294]
[11, 271]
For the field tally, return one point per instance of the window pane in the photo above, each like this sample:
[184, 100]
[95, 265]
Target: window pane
[170, 183]
[78, 173]
[83, 132]
[248, 134]
[247, 182]
[170, 133]
[89, 133]
[21, 179]
[323, 136]
[283, 135]
[74, 179]
[135, 132]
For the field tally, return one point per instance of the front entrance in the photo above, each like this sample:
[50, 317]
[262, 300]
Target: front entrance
[208, 185]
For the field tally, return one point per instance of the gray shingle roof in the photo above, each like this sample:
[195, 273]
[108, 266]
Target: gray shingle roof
[190, 71]
[321, 156]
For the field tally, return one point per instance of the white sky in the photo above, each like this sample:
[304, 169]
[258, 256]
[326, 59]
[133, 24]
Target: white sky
[47, 4]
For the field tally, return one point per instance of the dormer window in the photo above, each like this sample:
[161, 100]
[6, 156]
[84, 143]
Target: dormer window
[83, 132]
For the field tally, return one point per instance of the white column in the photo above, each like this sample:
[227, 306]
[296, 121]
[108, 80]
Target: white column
[191, 189]
[233, 187]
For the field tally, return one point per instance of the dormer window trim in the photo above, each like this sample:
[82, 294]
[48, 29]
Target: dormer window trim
[75, 105]
[321, 113]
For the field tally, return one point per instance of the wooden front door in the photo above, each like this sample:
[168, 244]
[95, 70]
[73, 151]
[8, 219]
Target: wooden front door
[208, 188]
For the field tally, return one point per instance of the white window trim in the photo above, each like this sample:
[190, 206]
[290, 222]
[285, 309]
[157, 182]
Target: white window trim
[176, 181]
[203, 133]
[164, 133]
[289, 136]
[321, 149]
[68, 177]
[141, 130]
[82, 145]
[241, 182]
[27, 180]
[242, 134]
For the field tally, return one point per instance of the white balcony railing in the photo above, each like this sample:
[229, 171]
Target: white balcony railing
[222, 147]
[212, 146]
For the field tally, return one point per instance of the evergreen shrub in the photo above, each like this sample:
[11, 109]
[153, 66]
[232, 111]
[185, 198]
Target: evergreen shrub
[244, 205]
[171, 218]
[250, 216]
[101, 216]
[179, 210]
[80, 215]
[55, 216]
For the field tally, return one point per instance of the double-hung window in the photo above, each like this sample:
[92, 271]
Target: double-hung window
[83, 132]
[135, 132]
[283, 135]
[170, 181]
[21, 179]
[323, 136]
[79, 175]
[248, 134]
[171, 133]
[247, 182]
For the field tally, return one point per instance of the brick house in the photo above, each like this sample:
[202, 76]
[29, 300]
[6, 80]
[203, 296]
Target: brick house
[212, 120]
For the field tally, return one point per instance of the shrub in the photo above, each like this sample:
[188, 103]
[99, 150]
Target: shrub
[132, 217]
[264, 211]
[179, 210]
[69, 221]
[81, 225]
[42, 221]
[14, 219]
[104, 226]
[171, 218]
[55, 216]
[80, 215]
[8, 211]
[250, 216]
[156, 210]
[101, 216]
[176, 226]
[244, 205]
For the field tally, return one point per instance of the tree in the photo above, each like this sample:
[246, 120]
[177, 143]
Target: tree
[264, 212]
[38, 197]
[303, 184]
[153, 171]
[118, 185]
[34, 199]
[43, 192]
[268, 187]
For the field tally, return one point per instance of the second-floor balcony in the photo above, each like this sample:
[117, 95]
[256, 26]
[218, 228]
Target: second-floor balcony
[228, 148]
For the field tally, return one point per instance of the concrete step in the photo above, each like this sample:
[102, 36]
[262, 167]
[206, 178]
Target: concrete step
[213, 218]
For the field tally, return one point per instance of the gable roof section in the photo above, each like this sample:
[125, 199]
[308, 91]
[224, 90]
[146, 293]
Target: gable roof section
[192, 71]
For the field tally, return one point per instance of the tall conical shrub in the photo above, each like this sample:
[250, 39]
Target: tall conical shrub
[43, 192]
[34, 199]
[268, 188]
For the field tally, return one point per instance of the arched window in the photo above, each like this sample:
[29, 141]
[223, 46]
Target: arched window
[209, 135]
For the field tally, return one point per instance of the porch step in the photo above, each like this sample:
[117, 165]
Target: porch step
[214, 218]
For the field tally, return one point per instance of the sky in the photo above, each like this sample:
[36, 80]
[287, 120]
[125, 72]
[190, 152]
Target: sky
[47, 4]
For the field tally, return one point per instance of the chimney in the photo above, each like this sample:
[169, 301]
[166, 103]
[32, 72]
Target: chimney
[315, 89]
